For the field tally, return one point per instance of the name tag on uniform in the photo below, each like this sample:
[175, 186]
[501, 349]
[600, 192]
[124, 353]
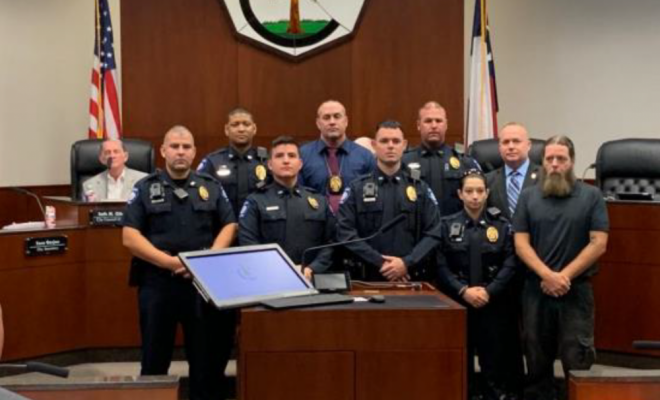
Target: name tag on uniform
[272, 208]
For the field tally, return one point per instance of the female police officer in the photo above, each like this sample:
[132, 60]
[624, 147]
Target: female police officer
[476, 264]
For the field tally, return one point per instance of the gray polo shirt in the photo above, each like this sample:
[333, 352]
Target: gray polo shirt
[559, 227]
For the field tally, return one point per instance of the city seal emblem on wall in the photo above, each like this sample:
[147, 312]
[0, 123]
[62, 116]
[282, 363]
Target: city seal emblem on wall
[295, 28]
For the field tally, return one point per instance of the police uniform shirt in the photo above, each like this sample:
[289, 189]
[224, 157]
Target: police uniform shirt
[240, 174]
[476, 253]
[442, 169]
[559, 227]
[178, 216]
[376, 198]
[296, 219]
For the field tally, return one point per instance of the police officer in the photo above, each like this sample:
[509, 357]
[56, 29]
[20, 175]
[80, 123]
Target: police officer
[172, 211]
[476, 264]
[376, 198]
[240, 167]
[288, 214]
[441, 166]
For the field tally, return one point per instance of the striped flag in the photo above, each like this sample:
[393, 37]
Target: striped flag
[482, 101]
[104, 116]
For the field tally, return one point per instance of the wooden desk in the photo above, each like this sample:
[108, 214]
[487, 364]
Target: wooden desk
[76, 300]
[91, 388]
[358, 351]
[627, 288]
[614, 385]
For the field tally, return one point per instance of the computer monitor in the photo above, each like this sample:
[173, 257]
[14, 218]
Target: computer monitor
[243, 276]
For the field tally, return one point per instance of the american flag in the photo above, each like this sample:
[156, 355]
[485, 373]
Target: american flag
[104, 117]
[482, 101]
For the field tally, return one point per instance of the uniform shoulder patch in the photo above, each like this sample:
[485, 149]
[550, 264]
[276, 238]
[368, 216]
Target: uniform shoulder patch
[345, 196]
[134, 195]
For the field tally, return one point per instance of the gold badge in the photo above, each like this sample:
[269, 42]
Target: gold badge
[260, 172]
[411, 193]
[313, 203]
[203, 193]
[454, 162]
[335, 184]
[492, 234]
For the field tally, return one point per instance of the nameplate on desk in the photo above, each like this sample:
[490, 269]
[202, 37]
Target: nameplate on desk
[105, 217]
[41, 246]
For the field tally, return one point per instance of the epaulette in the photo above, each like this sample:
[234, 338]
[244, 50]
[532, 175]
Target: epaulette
[459, 149]
[262, 154]
[204, 175]
[494, 212]
[411, 150]
[309, 189]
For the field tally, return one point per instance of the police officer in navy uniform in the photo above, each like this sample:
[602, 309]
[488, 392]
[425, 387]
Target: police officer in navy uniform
[476, 265]
[240, 167]
[441, 166]
[293, 216]
[169, 212]
[371, 200]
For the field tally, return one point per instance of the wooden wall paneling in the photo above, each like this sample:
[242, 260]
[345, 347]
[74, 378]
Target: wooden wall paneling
[284, 96]
[179, 67]
[407, 53]
[183, 64]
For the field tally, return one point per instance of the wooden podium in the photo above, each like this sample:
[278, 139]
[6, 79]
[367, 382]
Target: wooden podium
[360, 351]
[627, 287]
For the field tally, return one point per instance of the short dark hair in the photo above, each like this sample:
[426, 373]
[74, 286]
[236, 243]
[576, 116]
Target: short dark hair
[474, 173]
[239, 110]
[282, 140]
[561, 140]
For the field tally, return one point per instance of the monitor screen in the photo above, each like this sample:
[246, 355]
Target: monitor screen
[248, 275]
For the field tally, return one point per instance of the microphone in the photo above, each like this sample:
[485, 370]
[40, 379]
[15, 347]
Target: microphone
[584, 174]
[31, 194]
[108, 163]
[383, 228]
[646, 344]
[34, 366]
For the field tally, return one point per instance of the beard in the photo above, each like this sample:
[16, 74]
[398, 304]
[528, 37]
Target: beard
[556, 184]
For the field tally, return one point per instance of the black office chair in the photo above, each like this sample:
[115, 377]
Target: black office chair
[629, 166]
[487, 153]
[85, 160]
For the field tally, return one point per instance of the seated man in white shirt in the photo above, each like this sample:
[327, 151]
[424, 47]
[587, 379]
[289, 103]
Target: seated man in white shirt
[115, 183]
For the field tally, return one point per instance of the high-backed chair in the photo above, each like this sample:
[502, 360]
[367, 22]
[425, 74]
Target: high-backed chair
[85, 160]
[629, 166]
[487, 153]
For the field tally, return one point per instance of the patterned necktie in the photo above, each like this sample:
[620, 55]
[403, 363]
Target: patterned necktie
[333, 166]
[513, 191]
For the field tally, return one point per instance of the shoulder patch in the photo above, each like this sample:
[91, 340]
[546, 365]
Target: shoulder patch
[345, 196]
[202, 164]
[134, 194]
[431, 196]
[244, 209]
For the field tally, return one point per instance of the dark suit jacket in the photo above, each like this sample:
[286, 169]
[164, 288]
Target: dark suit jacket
[497, 185]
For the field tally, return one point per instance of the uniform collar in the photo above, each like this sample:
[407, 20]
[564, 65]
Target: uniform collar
[383, 178]
[482, 221]
[427, 151]
[191, 181]
[234, 154]
[283, 191]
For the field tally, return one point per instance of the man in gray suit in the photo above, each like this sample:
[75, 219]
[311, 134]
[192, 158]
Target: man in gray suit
[506, 183]
[115, 183]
